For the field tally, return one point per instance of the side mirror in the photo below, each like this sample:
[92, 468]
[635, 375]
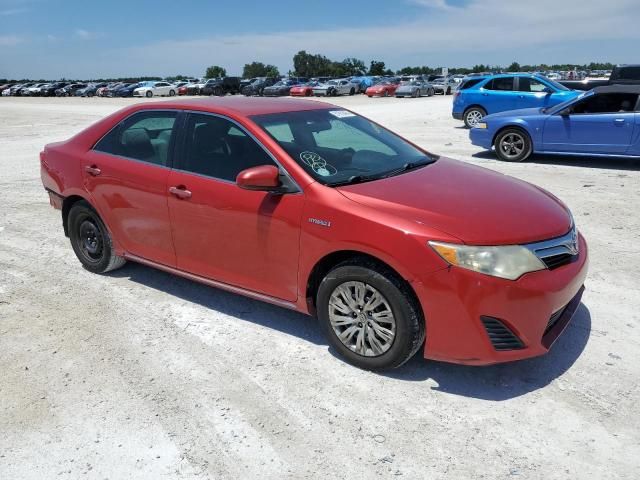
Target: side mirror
[264, 178]
[548, 90]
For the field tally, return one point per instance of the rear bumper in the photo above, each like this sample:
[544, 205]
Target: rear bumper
[454, 300]
[457, 115]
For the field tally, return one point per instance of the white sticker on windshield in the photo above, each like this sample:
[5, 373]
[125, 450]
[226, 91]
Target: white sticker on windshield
[342, 113]
[318, 164]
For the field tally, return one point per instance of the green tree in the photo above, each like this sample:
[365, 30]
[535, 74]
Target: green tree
[259, 69]
[215, 71]
[376, 68]
[309, 65]
[353, 66]
[514, 67]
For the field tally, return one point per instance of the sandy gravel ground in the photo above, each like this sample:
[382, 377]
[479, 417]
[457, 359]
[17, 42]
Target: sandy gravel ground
[141, 375]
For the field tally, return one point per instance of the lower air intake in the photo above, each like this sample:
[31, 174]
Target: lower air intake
[502, 338]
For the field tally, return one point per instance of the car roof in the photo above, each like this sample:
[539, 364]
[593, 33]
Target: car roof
[243, 106]
[633, 89]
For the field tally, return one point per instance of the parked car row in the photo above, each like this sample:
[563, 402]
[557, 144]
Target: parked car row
[517, 115]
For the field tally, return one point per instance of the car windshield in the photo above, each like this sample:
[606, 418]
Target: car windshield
[338, 147]
[563, 105]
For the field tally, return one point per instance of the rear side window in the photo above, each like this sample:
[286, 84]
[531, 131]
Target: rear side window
[144, 136]
[469, 83]
[500, 83]
[216, 147]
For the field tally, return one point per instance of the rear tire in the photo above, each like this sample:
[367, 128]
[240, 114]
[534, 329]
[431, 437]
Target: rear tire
[513, 145]
[448, 91]
[352, 91]
[90, 240]
[473, 115]
[149, 94]
[431, 92]
[172, 93]
[374, 311]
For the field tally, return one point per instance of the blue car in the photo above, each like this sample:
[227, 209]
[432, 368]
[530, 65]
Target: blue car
[602, 122]
[484, 95]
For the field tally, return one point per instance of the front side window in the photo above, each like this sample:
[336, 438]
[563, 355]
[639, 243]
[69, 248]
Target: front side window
[500, 83]
[144, 136]
[337, 146]
[527, 84]
[216, 147]
[606, 103]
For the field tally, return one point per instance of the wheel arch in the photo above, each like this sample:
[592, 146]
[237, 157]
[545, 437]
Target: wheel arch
[474, 105]
[325, 264]
[67, 203]
[517, 126]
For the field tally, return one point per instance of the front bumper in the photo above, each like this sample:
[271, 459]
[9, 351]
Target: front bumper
[455, 299]
[481, 137]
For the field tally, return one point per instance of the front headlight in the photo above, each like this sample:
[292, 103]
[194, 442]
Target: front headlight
[509, 261]
[481, 125]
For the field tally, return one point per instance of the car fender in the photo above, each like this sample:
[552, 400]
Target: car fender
[534, 132]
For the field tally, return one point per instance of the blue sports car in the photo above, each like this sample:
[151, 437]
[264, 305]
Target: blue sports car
[603, 122]
[483, 95]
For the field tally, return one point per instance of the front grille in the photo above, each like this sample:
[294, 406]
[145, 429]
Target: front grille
[556, 261]
[557, 252]
[553, 320]
[502, 338]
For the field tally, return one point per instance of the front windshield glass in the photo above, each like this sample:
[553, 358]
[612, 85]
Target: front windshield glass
[556, 85]
[339, 147]
[563, 105]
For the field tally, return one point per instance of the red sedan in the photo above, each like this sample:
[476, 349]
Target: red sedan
[305, 90]
[385, 89]
[314, 208]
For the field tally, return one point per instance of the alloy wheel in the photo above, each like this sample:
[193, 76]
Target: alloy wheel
[512, 145]
[474, 117]
[362, 319]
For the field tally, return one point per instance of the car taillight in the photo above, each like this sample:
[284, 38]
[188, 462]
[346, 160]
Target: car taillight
[456, 94]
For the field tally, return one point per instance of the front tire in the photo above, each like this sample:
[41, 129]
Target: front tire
[473, 115]
[149, 94]
[370, 315]
[431, 92]
[91, 241]
[172, 93]
[513, 145]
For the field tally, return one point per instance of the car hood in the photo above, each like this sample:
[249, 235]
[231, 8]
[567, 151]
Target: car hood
[474, 204]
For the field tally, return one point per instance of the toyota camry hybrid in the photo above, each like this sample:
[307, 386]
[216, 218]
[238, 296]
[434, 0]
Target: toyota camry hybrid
[317, 209]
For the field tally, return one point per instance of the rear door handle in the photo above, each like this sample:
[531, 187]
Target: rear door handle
[180, 191]
[93, 170]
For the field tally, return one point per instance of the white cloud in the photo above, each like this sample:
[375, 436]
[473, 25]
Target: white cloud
[436, 4]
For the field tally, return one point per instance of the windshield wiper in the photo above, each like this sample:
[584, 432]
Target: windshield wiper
[406, 167]
[396, 171]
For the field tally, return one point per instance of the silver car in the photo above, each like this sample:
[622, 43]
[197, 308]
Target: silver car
[333, 88]
[415, 88]
[443, 85]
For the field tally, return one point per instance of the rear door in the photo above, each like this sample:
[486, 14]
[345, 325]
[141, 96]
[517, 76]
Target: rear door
[599, 123]
[245, 238]
[498, 95]
[126, 175]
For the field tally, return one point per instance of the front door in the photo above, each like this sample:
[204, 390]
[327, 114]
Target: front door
[245, 238]
[599, 123]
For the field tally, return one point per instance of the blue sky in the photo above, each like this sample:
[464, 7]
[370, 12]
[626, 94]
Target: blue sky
[83, 39]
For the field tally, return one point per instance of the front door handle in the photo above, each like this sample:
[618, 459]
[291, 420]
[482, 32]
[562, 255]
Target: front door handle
[619, 121]
[93, 170]
[180, 191]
